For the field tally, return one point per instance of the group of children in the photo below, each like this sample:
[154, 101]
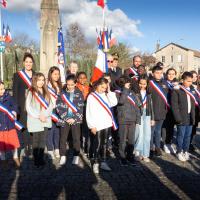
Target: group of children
[98, 117]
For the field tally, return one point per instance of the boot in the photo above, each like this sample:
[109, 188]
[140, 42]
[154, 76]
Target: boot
[41, 157]
[35, 156]
[130, 157]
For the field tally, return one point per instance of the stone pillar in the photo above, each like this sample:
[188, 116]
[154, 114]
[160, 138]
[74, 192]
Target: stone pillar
[49, 25]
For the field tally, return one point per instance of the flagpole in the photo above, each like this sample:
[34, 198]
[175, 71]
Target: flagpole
[1, 53]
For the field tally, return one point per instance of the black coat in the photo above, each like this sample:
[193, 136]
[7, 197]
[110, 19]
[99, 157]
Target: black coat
[115, 75]
[159, 106]
[127, 113]
[180, 107]
[20, 90]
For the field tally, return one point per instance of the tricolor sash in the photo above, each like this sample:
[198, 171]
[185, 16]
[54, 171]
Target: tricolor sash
[54, 117]
[131, 100]
[197, 92]
[52, 92]
[106, 107]
[170, 85]
[69, 103]
[24, 76]
[41, 100]
[133, 71]
[159, 90]
[144, 101]
[18, 125]
[190, 94]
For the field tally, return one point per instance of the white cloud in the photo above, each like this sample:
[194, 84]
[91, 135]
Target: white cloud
[88, 15]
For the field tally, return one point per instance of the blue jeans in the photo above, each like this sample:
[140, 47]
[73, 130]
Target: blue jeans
[156, 134]
[53, 138]
[143, 142]
[183, 137]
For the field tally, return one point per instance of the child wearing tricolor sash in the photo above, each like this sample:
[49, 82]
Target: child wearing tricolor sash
[54, 88]
[169, 122]
[69, 107]
[8, 135]
[39, 109]
[99, 119]
[158, 90]
[142, 145]
[128, 116]
[183, 108]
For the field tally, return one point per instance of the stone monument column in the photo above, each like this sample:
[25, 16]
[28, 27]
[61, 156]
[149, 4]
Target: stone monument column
[49, 25]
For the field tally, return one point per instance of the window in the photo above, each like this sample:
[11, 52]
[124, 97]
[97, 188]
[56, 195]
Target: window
[172, 59]
[180, 58]
[163, 59]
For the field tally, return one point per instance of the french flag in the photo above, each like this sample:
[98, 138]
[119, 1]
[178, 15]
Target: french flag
[112, 39]
[101, 65]
[8, 35]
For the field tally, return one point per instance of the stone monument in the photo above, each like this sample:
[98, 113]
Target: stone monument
[49, 25]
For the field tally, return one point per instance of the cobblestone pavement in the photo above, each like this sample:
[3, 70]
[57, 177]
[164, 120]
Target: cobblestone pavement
[163, 178]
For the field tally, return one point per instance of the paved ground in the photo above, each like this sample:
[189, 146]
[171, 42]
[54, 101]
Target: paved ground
[163, 178]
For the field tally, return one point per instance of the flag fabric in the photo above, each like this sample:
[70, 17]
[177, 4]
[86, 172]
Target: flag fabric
[101, 3]
[4, 31]
[8, 37]
[61, 55]
[112, 39]
[4, 3]
[101, 65]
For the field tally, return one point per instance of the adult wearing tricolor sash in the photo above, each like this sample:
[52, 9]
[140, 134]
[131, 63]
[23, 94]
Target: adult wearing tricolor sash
[54, 88]
[158, 90]
[39, 111]
[21, 84]
[69, 107]
[183, 108]
[8, 134]
[99, 119]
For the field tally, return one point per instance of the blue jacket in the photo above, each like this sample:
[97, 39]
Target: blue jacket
[7, 101]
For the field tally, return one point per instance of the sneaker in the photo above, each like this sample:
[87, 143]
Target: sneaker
[186, 156]
[57, 153]
[131, 161]
[75, 160]
[51, 155]
[95, 168]
[146, 159]
[123, 162]
[62, 160]
[172, 149]
[181, 157]
[137, 153]
[105, 166]
[158, 152]
[166, 149]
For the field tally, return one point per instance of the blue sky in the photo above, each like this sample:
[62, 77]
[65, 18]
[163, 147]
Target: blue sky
[165, 20]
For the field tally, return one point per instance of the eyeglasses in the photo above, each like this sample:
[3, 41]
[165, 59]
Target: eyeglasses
[110, 61]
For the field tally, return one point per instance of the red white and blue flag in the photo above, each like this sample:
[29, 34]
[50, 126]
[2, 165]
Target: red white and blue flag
[69, 103]
[8, 37]
[106, 107]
